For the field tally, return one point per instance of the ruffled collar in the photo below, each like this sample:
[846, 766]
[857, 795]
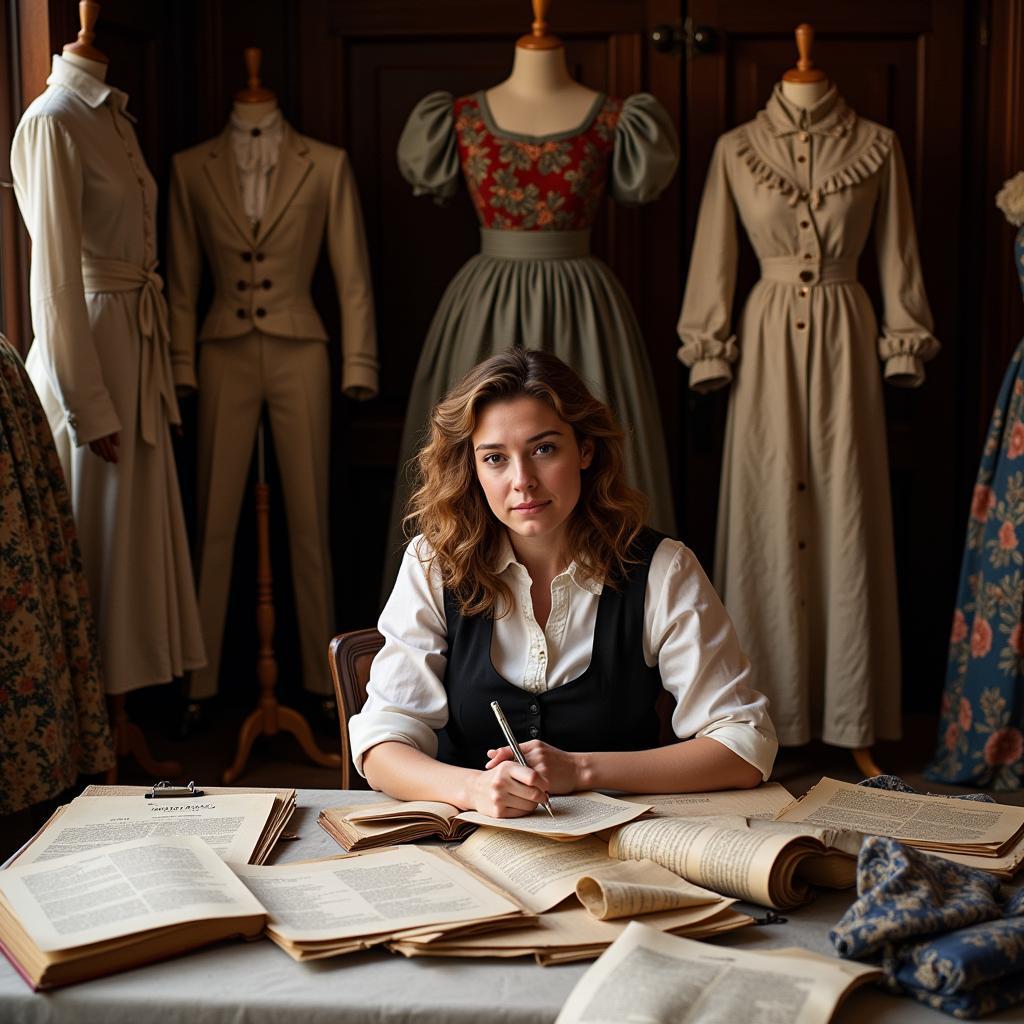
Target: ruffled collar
[829, 116]
[849, 152]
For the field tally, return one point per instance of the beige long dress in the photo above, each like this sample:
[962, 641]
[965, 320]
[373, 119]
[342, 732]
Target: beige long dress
[100, 363]
[804, 553]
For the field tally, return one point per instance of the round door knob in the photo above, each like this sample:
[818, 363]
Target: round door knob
[667, 38]
[704, 39]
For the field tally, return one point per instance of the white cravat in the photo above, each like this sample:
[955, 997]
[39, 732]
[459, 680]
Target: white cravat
[256, 145]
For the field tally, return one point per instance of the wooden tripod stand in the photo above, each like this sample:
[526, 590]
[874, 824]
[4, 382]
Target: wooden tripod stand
[270, 718]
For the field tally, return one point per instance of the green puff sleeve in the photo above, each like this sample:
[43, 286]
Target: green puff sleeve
[646, 150]
[428, 155]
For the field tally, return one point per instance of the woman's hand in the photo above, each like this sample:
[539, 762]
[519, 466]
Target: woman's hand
[507, 790]
[559, 770]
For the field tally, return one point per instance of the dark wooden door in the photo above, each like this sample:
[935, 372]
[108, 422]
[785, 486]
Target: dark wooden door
[374, 59]
[901, 64]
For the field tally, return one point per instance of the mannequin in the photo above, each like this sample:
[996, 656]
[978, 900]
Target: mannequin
[100, 363]
[539, 97]
[255, 204]
[805, 84]
[539, 152]
[810, 580]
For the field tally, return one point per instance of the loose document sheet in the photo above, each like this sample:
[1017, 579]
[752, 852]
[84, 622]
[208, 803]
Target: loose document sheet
[649, 977]
[764, 801]
[383, 892]
[927, 821]
[99, 895]
[230, 825]
[578, 815]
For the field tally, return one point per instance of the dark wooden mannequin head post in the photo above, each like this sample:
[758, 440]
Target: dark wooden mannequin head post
[254, 92]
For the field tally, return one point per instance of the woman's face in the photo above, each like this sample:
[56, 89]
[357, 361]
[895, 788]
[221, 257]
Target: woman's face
[528, 464]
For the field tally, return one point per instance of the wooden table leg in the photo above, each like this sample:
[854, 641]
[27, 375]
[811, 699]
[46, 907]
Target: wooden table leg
[130, 741]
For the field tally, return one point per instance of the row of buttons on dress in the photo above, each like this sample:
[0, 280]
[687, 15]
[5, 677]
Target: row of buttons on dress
[243, 286]
[809, 246]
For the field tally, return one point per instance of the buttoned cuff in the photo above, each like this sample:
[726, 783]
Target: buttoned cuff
[86, 428]
[748, 741]
[904, 371]
[360, 380]
[709, 375]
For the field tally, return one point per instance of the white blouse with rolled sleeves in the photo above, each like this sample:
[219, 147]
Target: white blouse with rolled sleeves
[686, 631]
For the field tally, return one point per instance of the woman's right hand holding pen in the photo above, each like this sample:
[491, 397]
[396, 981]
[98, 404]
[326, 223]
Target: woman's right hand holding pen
[508, 790]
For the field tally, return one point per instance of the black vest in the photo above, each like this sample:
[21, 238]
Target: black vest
[611, 706]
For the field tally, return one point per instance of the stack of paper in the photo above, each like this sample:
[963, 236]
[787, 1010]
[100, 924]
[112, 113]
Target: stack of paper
[583, 896]
[325, 908]
[366, 826]
[283, 809]
[982, 835]
[240, 825]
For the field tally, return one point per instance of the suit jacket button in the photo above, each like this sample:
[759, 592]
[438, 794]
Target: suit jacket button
[266, 282]
[247, 256]
[242, 286]
[240, 313]
[261, 311]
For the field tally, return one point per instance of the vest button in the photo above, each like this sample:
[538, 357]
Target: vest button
[534, 731]
[247, 257]
[242, 286]
[261, 312]
[267, 282]
[534, 708]
[240, 313]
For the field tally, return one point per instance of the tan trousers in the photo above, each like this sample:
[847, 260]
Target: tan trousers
[236, 377]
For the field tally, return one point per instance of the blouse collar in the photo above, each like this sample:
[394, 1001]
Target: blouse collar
[829, 116]
[91, 91]
[507, 557]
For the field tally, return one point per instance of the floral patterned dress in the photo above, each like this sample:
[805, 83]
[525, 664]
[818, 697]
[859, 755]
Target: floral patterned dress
[53, 719]
[980, 740]
[534, 283]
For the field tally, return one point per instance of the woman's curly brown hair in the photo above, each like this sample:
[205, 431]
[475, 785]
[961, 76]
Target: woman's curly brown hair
[448, 505]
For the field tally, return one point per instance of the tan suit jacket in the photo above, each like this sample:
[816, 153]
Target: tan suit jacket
[262, 277]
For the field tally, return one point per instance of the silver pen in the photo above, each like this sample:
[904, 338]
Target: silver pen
[513, 746]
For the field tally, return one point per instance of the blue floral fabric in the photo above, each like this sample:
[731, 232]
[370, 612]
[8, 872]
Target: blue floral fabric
[980, 740]
[948, 935]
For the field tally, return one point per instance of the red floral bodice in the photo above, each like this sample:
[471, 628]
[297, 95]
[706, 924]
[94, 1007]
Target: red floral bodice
[541, 183]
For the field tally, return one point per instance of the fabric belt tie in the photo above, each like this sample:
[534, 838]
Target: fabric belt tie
[534, 245]
[798, 271]
[155, 377]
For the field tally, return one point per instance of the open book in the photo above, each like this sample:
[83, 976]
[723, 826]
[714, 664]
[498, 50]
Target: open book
[765, 862]
[646, 975]
[108, 909]
[367, 826]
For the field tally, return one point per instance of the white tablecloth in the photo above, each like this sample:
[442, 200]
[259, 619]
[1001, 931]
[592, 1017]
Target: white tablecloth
[257, 983]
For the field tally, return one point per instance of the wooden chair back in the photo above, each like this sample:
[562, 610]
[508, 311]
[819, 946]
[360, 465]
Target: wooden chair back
[350, 657]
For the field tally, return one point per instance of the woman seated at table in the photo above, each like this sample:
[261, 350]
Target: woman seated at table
[534, 582]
